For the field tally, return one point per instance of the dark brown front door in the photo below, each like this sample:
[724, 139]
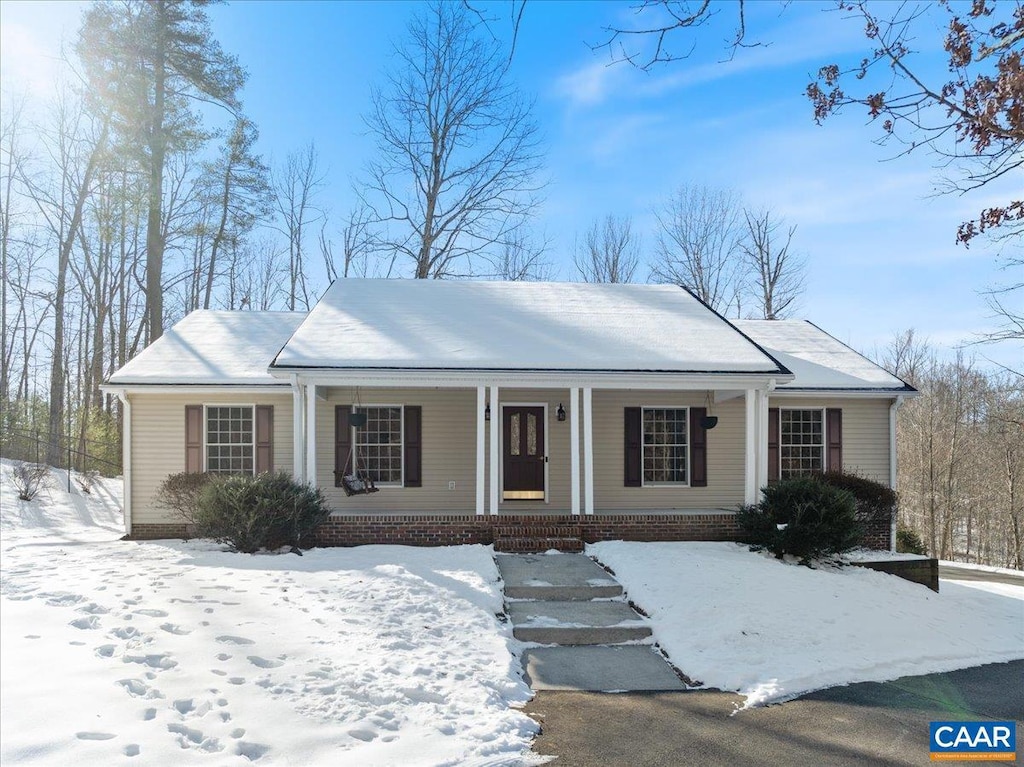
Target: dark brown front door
[523, 430]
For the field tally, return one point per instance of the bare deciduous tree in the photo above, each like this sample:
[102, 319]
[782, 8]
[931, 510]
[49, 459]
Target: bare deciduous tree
[698, 245]
[295, 186]
[457, 148]
[522, 259]
[610, 251]
[776, 272]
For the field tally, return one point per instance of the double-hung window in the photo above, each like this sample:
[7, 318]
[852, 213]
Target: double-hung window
[801, 442]
[665, 446]
[378, 445]
[230, 439]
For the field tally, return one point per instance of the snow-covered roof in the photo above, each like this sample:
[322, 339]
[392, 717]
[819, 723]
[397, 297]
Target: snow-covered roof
[461, 325]
[816, 359]
[213, 347]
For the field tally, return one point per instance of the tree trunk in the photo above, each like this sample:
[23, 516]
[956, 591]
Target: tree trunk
[157, 149]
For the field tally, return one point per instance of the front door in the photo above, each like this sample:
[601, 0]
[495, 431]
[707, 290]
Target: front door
[523, 451]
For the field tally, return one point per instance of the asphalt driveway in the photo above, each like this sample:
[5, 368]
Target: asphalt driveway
[861, 724]
[952, 572]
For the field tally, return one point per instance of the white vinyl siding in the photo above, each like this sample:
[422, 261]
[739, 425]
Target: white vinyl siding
[158, 442]
[865, 431]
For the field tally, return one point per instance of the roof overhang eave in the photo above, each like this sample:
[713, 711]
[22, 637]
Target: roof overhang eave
[468, 377]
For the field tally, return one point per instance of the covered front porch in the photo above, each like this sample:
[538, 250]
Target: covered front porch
[535, 446]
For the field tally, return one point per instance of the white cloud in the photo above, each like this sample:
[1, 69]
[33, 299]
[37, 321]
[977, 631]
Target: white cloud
[588, 85]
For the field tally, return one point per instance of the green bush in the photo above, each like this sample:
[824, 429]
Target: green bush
[908, 541]
[180, 493]
[802, 517]
[876, 503]
[266, 511]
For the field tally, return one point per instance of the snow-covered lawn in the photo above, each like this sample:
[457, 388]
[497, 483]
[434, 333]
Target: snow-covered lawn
[742, 621]
[181, 653]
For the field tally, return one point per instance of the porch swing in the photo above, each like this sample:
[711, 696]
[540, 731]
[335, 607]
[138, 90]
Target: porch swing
[357, 482]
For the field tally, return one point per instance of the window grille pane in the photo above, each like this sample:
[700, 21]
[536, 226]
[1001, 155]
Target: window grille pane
[378, 445]
[801, 443]
[665, 445]
[531, 434]
[229, 440]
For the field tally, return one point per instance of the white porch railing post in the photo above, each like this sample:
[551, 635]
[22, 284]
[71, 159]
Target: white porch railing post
[481, 455]
[574, 447]
[495, 448]
[311, 434]
[298, 431]
[588, 450]
[750, 463]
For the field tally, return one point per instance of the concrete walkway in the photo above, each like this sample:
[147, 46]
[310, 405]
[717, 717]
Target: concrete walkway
[589, 637]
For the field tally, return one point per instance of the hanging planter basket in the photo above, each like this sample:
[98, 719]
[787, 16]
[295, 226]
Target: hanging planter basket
[357, 419]
[709, 422]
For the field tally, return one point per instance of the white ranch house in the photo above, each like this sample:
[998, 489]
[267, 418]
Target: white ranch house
[485, 408]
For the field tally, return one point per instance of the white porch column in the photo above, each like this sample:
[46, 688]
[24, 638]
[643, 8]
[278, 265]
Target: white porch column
[750, 464]
[481, 459]
[761, 446]
[574, 447]
[495, 448]
[298, 432]
[311, 434]
[588, 450]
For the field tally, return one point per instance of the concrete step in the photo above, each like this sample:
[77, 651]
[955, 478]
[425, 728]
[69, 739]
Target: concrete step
[555, 577]
[577, 623]
[620, 669]
[525, 545]
[537, 530]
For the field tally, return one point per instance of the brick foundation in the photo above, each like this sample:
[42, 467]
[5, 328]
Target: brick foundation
[153, 532]
[876, 535]
[454, 529]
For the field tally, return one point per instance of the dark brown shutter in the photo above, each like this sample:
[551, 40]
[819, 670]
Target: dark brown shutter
[413, 446]
[834, 431]
[698, 448]
[633, 475]
[773, 444]
[264, 438]
[342, 443]
[193, 438]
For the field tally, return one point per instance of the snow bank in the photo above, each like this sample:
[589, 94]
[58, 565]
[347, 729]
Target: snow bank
[181, 653]
[737, 620]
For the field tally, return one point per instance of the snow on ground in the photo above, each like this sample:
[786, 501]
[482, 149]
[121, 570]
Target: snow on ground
[163, 653]
[873, 555]
[738, 620]
[983, 568]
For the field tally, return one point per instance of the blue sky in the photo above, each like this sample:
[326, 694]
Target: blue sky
[879, 244]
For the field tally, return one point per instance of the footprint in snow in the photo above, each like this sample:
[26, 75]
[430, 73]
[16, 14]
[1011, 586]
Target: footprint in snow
[172, 628]
[94, 735]
[86, 624]
[149, 714]
[259, 662]
[228, 639]
[105, 651]
[125, 632]
[152, 613]
[251, 751]
[189, 737]
[153, 660]
[236, 680]
[93, 609]
[223, 656]
[363, 735]
[132, 749]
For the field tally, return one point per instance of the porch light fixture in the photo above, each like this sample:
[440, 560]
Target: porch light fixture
[560, 413]
[487, 412]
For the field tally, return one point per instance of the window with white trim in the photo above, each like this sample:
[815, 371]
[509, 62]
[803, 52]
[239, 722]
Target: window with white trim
[801, 442]
[666, 445]
[378, 444]
[230, 439]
